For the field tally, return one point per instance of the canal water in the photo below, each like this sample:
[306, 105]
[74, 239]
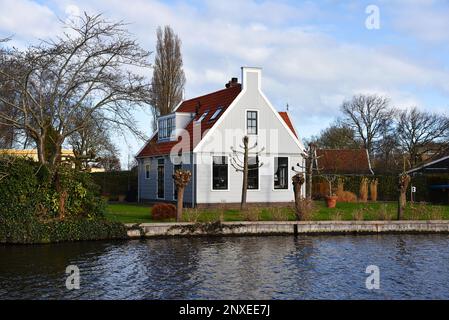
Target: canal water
[273, 267]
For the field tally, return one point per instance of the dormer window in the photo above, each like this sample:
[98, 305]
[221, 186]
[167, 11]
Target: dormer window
[166, 127]
[216, 113]
[202, 116]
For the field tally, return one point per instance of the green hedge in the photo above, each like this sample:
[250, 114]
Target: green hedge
[115, 183]
[31, 200]
[32, 231]
[387, 187]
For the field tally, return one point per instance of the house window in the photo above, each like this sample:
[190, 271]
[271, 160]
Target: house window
[253, 173]
[220, 173]
[281, 173]
[175, 189]
[202, 116]
[147, 171]
[251, 122]
[160, 178]
[166, 127]
[215, 115]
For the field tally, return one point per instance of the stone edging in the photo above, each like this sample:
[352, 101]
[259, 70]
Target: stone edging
[286, 227]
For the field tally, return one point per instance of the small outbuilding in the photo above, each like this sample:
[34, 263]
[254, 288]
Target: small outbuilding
[435, 180]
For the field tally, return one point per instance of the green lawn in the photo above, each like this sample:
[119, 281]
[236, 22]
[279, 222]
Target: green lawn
[139, 213]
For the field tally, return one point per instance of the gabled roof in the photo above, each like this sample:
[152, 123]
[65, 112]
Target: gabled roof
[286, 118]
[437, 166]
[344, 161]
[209, 102]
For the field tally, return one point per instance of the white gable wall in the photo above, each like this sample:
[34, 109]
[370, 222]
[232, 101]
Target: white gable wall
[273, 134]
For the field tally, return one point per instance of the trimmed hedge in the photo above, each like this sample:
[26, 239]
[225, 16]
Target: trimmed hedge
[387, 188]
[39, 206]
[32, 231]
[161, 211]
[115, 183]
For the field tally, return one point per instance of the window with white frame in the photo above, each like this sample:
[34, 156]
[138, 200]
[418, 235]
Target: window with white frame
[219, 173]
[281, 172]
[253, 173]
[166, 127]
[251, 122]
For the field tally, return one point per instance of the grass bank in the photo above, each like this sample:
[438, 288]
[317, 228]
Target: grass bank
[141, 213]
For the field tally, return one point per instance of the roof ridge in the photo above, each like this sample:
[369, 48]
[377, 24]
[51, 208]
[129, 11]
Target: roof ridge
[211, 93]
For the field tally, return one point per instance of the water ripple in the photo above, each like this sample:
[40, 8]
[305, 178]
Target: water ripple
[284, 267]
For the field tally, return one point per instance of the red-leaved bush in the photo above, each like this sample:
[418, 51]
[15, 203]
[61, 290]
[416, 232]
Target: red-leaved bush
[161, 211]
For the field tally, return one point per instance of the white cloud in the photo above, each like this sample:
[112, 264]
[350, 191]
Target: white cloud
[26, 19]
[304, 64]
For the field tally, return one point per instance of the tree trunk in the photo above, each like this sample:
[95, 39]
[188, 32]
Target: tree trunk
[309, 181]
[245, 174]
[404, 181]
[298, 181]
[180, 204]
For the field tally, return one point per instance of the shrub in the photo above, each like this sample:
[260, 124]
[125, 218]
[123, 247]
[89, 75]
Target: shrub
[307, 209]
[346, 196]
[435, 213]
[162, 211]
[191, 214]
[31, 231]
[373, 189]
[358, 214]
[363, 192]
[28, 190]
[278, 214]
[251, 214]
[383, 213]
[336, 215]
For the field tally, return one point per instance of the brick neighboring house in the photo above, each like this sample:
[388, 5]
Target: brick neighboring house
[344, 162]
[341, 162]
[198, 136]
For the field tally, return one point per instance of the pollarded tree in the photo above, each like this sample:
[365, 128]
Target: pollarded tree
[243, 166]
[181, 179]
[84, 72]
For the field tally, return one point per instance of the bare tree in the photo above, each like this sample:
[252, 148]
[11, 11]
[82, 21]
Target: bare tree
[337, 136]
[54, 80]
[419, 132]
[168, 80]
[7, 133]
[367, 114]
[242, 165]
[92, 145]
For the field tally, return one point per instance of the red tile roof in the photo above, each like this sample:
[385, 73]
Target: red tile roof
[210, 102]
[343, 161]
[286, 118]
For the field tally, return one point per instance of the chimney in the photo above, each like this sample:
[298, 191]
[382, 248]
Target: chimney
[232, 83]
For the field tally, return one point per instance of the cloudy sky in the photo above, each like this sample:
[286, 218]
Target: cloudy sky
[314, 54]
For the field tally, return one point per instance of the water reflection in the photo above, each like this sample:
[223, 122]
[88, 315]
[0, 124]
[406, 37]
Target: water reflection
[318, 267]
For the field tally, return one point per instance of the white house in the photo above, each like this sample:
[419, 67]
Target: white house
[199, 136]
